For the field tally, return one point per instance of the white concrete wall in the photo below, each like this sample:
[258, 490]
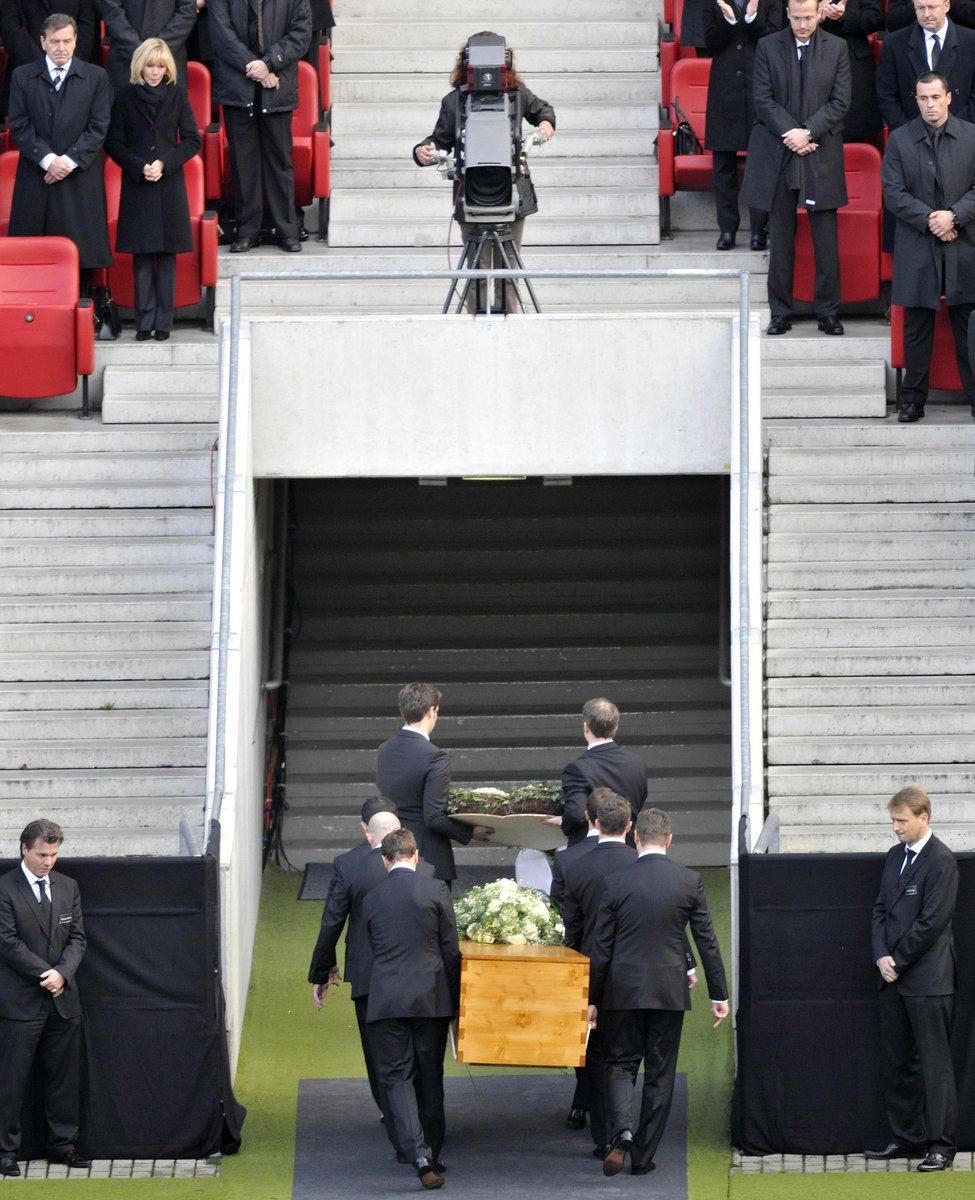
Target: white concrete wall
[566, 394]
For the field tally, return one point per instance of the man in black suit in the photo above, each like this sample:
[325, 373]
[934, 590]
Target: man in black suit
[795, 156]
[566, 855]
[130, 22]
[915, 955]
[639, 989]
[604, 764]
[415, 775]
[909, 52]
[42, 943]
[413, 994]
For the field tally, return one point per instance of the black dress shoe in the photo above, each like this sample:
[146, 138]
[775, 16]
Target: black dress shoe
[935, 1162]
[243, 244]
[643, 1170]
[895, 1150]
[831, 325]
[161, 335]
[69, 1157]
[289, 245]
[909, 413]
[726, 241]
[143, 335]
[428, 1174]
[8, 1165]
[759, 241]
[619, 1148]
[778, 325]
[576, 1118]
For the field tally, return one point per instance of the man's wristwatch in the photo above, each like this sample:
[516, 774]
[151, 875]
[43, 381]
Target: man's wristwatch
[808, 133]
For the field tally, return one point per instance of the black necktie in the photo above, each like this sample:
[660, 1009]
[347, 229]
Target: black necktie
[935, 52]
[57, 78]
[909, 856]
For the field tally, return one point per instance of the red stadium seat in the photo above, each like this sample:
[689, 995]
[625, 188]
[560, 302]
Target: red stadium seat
[684, 172]
[944, 367]
[199, 92]
[47, 335]
[325, 75]
[671, 50]
[859, 232]
[196, 270]
[8, 171]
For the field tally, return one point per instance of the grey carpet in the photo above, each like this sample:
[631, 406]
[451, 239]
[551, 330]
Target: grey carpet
[314, 883]
[506, 1138]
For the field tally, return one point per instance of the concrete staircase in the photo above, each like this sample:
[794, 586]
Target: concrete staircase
[870, 626]
[107, 553]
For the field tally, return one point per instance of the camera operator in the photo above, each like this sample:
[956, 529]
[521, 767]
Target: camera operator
[536, 112]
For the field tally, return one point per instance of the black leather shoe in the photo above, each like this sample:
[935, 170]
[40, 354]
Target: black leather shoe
[243, 244]
[909, 413]
[289, 245]
[576, 1118]
[896, 1150]
[143, 335]
[643, 1170]
[619, 1148]
[759, 241]
[726, 241]
[69, 1157]
[8, 1165]
[161, 335]
[831, 325]
[935, 1162]
[778, 325]
[427, 1174]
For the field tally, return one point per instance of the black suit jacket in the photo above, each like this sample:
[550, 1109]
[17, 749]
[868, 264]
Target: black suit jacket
[603, 765]
[21, 21]
[585, 882]
[825, 102]
[904, 57]
[29, 946]
[129, 22]
[562, 859]
[637, 958]
[412, 931]
[354, 875]
[912, 919]
[415, 774]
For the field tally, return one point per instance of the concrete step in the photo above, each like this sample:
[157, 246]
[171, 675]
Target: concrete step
[794, 402]
[159, 815]
[854, 722]
[860, 840]
[51, 433]
[84, 842]
[869, 574]
[138, 380]
[81, 695]
[871, 660]
[95, 665]
[398, 36]
[865, 811]
[187, 606]
[87, 495]
[495, 12]
[882, 461]
[921, 604]
[96, 786]
[104, 551]
[852, 633]
[117, 523]
[634, 231]
[933, 691]
[957, 434]
[107, 752]
[152, 410]
[547, 172]
[559, 89]
[112, 638]
[98, 725]
[18, 582]
[902, 747]
[927, 486]
[870, 518]
[943, 781]
[533, 61]
[827, 388]
[871, 546]
[587, 144]
[104, 467]
[422, 204]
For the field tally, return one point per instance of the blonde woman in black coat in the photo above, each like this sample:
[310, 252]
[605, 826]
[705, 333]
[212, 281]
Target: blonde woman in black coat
[152, 134]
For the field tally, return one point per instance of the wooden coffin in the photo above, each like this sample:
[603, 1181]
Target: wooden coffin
[522, 1006]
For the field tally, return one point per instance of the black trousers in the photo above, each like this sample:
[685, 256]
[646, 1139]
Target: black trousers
[922, 1104]
[918, 340]
[725, 168]
[782, 254]
[361, 1004]
[154, 276]
[56, 1040]
[409, 1053]
[653, 1035]
[260, 161]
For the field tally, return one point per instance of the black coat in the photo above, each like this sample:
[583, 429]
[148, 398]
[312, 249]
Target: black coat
[287, 33]
[73, 121]
[28, 947]
[901, 13]
[861, 18]
[909, 192]
[585, 882]
[904, 57]
[130, 22]
[562, 859]
[731, 108]
[912, 918]
[826, 100]
[20, 26]
[153, 217]
[604, 765]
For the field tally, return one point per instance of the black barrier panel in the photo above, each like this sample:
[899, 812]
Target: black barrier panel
[157, 1077]
[809, 1064]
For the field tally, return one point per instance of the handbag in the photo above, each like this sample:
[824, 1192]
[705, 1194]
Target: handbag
[685, 139]
[108, 322]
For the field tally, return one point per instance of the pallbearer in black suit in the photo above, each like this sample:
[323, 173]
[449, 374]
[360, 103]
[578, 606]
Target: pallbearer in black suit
[639, 989]
[915, 955]
[42, 943]
[415, 775]
[413, 993]
[604, 764]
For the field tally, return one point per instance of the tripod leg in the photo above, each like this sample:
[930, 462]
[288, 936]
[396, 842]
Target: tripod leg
[453, 283]
[516, 255]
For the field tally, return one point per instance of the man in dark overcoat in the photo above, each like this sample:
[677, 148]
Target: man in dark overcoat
[20, 27]
[909, 51]
[928, 178]
[914, 952]
[130, 22]
[795, 156]
[731, 32]
[42, 943]
[60, 108]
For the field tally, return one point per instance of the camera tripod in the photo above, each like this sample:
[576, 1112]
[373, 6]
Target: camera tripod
[504, 254]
